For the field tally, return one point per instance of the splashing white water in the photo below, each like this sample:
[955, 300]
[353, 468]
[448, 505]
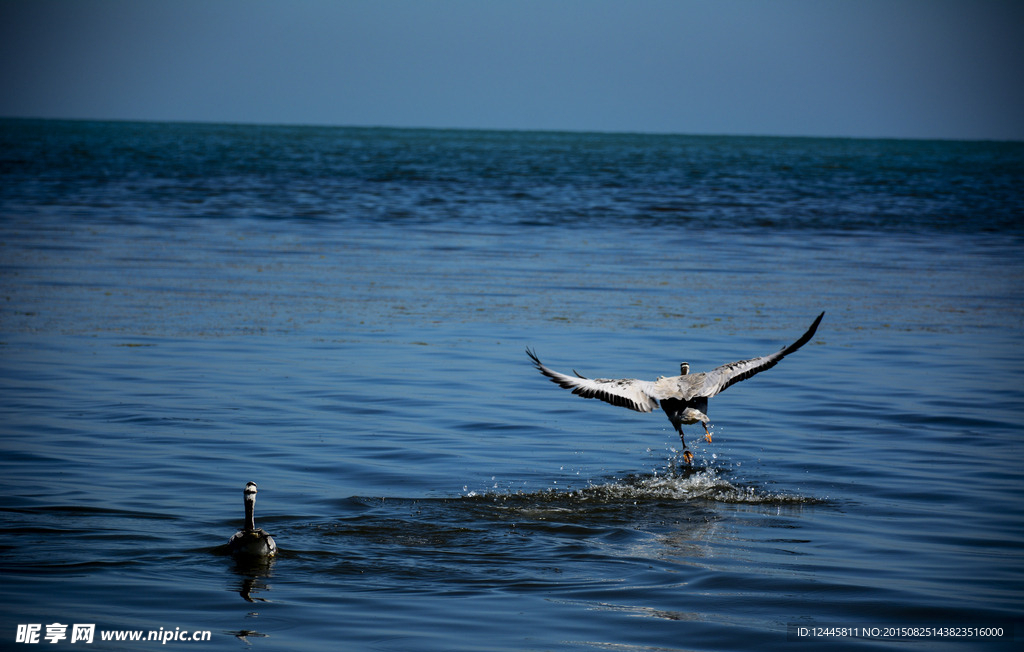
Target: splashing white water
[704, 484]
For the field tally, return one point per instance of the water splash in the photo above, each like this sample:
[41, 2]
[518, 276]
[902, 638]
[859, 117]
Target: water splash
[705, 484]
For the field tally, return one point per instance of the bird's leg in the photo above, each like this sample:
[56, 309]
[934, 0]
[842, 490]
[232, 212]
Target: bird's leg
[707, 433]
[687, 455]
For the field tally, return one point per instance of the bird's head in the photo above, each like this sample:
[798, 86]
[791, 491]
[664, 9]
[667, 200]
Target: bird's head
[684, 368]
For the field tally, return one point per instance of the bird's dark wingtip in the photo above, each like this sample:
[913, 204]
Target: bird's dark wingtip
[805, 338]
[533, 356]
[817, 321]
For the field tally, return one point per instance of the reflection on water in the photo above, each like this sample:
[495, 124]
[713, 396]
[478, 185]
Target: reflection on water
[253, 578]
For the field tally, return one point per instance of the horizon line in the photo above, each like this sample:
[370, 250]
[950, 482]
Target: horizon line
[539, 130]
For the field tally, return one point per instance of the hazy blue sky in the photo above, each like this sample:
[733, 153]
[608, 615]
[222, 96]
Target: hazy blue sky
[887, 68]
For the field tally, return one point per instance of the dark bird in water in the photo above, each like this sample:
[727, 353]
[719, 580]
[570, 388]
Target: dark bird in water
[251, 541]
[684, 398]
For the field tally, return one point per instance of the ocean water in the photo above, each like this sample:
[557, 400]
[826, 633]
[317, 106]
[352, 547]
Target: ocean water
[340, 315]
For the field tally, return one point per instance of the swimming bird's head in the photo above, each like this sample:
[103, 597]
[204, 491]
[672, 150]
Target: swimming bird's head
[684, 368]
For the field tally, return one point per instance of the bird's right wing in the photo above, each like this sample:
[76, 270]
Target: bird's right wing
[718, 379]
[625, 392]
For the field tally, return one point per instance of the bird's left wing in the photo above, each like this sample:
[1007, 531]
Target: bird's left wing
[626, 392]
[720, 378]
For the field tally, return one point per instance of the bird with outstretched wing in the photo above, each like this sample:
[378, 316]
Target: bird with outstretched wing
[684, 398]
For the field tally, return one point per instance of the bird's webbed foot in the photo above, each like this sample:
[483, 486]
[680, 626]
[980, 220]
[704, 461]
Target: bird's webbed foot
[707, 433]
[688, 457]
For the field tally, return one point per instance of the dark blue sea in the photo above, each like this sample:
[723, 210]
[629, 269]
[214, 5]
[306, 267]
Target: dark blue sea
[341, 315]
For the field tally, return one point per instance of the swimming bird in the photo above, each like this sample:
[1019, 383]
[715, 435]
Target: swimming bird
[252, 541]
[684, 398]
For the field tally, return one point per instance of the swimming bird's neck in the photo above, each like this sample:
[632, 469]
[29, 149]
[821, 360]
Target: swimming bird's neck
[250, 508]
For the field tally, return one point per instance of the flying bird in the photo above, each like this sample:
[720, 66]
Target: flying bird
[684, 398]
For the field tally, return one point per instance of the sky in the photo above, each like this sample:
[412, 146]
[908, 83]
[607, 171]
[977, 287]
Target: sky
[951, 69]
